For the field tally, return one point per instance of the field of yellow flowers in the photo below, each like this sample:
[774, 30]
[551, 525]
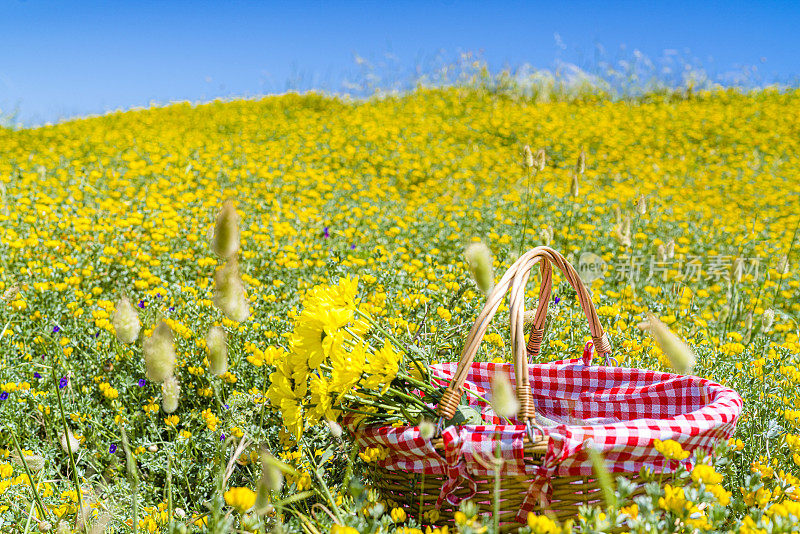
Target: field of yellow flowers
[690, 202]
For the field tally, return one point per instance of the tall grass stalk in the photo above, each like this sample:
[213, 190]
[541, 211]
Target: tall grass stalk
[603, 476]
[529, 175]
[133, 478]
[68, 441]
[37, 499]
[498, 465]
[169, 494]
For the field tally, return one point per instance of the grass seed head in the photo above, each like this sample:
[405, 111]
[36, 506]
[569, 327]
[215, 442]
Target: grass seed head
[681, 356]
[170, 394]
[159, 353]
[641, 206]
[661, 253]
[101, 523]
[724, 313]
[767, 319]
[622, 232]
[10, 293]
[783, 265]
[271, 472]
[229, 292]
[546, 234]
[504, 402]
[580, 165]
[737, 269]
[126, 321]
[575, 187]
[34, 462]
[226, 232]
[479, 260]
[335, 428]
[68, 441]
[426, 429]
[217, 343]
[528, 157]
[540, 159]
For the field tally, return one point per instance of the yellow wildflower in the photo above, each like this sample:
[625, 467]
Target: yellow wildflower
[671, 449]
[240, 498]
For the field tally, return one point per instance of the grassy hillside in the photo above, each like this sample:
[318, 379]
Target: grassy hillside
[390, 191]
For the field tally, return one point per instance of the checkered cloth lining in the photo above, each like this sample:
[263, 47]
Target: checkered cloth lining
[621, 411]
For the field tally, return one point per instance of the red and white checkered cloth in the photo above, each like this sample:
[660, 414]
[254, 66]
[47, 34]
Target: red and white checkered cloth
[620, 411]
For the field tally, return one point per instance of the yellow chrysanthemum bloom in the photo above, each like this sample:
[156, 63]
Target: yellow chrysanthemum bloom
[317, 332]
[287, 394]
[347, 368]
[320, 400]
[382, 367]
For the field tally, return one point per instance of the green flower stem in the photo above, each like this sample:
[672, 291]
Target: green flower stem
[324, 486]
[393, 339]
[496, 500]
[361, 400]
[36, 497]
[69, 448]
[407, 398]
[428, 388]
[383, 417]
[528, 175]
[133, 478]
[171, 524]
[401, 375]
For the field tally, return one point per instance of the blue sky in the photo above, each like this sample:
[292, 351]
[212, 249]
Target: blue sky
[61, 59]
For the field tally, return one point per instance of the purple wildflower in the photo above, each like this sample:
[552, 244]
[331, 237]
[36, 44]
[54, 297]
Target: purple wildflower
[142, 382]
[113, 448]
[56, 329]
[327, 233]
[141, 304]
[63, 382]
[557, 300]
[3, 395]
[37, 375]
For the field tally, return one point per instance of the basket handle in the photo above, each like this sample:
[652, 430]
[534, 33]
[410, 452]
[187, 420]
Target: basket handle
[540, 317]
[515, 280]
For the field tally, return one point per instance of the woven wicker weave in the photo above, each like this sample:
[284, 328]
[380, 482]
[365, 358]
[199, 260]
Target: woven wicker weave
[418, 493]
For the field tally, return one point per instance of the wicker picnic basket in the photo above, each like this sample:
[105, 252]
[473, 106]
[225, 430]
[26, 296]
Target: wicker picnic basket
[565, 407]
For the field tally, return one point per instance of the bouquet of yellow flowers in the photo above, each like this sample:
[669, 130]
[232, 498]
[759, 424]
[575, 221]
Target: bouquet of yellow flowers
[334, 367]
